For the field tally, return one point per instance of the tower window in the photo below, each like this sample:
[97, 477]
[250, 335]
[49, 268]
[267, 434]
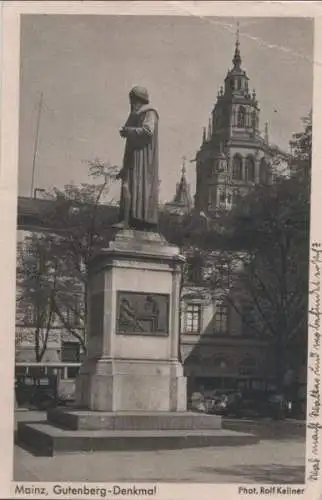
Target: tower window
[253, 119]
[237, 168]
[239, 83]
[250, 169]
[241, 117]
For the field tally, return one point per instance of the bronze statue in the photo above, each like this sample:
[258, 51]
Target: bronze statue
[139, 174]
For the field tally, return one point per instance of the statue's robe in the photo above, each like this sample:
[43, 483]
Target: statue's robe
[139, 198]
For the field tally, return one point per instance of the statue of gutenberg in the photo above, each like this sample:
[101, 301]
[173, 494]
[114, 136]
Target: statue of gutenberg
[139, 174]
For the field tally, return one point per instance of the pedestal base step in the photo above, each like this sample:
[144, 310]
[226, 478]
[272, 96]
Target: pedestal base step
[74, 419]
[45, 439]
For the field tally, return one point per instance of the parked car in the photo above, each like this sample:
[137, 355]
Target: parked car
[37, 392]
[277, 406]
[255, 403]
[217, 405]
[197, 402]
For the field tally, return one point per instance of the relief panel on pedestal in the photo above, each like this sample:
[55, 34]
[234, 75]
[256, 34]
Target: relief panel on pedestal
[142, 314]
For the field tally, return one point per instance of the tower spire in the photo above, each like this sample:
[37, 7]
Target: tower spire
[237, 58]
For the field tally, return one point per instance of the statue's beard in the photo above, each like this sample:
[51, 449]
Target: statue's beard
[135, 106]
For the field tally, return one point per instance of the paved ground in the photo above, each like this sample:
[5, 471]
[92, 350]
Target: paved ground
[270, 461]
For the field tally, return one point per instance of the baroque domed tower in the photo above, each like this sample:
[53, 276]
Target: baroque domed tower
[233, 156]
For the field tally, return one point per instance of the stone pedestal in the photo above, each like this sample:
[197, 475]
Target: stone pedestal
[131, 393]
[133, 332]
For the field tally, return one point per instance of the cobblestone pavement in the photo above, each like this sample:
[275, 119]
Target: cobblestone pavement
[270, 461]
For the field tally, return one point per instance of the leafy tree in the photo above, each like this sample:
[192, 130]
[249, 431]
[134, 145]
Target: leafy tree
[301, 144]
[53, 267]
[37, 282]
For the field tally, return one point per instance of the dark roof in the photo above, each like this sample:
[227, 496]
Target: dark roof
[32, 206]
[40, 213]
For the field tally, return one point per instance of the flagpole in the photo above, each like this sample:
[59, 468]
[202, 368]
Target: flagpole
[36, 147]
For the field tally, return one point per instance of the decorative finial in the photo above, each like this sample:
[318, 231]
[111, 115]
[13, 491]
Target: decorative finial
[237, 58]
[183, 170]
[221, 90]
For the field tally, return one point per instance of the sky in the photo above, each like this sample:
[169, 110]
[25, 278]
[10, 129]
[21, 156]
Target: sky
[85, 66]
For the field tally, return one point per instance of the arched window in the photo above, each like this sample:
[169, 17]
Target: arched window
[253, 119]
[241, 117]
[237, 167]
[250, 169]
[263, 171]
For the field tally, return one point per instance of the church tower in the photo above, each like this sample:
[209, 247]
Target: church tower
[182, 201]
[233, 156]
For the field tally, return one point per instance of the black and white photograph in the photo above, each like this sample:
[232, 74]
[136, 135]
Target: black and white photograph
[163, 295]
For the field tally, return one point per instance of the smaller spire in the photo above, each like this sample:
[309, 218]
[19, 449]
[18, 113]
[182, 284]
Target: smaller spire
[266, 133]
[237, 58]
[183, 170]
[209, 129]
[182, 199]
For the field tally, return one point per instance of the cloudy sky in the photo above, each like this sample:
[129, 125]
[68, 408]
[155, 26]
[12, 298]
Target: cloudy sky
[85, 66]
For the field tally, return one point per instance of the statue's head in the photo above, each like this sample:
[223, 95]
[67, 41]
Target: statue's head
[139, 95]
